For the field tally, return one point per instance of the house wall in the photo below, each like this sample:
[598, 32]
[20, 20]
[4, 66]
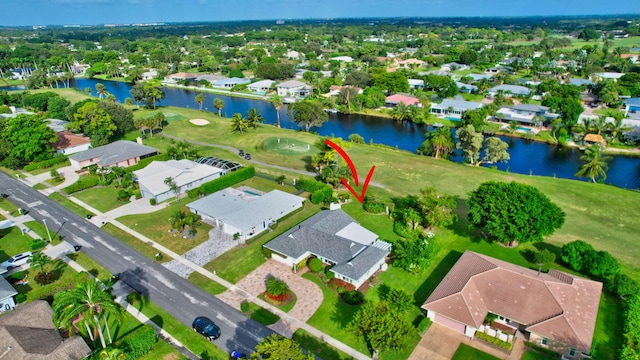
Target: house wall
[377, 266]
[74, 149]
[7, 304]
[557, 346]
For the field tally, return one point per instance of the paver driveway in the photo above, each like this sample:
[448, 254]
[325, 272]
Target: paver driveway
[309, 295]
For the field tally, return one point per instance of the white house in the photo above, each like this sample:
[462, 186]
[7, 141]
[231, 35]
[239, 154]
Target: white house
[7, 292]
[186, 175]
[151, 74]
[261, 86]
[454, 108]
[229, 83]
[245, 212]
[416, 83]
[347, 59]
[336, 239]
[293, 88]
[509, 90]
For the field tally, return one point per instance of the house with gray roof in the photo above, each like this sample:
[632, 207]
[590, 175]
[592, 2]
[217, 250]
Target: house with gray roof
[261, 86]
[293, 88]
[509, 90]
[466, 88]
[28, 333]
[454, 108]
[526, 113]
[229, 83]
[246, 212]
[185, 174]
[7, 292]
[335, 238]
[121, 153]
[632, 107]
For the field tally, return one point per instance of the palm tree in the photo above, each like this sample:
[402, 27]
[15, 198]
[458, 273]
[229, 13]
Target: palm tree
[513, 126]
[200, 100]
[238, 123]
[254, 118]
[100, 88]
[442, 142]
[40, 260]
[617, 127]
[596, 164]
[87, 303]
[112, 354]
[276, 100]
[218, 104]
[172, 186]
[401, 112]
[177, 220]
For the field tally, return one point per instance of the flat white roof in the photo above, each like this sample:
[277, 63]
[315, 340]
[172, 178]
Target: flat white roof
[357, 233]
[181, 171]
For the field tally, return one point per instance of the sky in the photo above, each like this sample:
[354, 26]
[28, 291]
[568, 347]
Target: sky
[95, 12]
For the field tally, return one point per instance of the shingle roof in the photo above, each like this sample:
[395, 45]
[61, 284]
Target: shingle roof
[530, 107]
[555, 305]
[318, 235]
[458, 104]
[32, 335]
[291, 84]
[115, 152]
[6, 290]
[514, 89]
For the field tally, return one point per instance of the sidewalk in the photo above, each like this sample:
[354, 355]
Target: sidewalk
[289, 321]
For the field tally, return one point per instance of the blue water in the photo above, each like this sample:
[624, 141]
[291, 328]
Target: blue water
[527, 157]
[524, 129]
[452, 118]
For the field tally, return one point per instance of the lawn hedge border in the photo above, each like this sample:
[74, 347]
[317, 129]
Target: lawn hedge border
[45, 163]
[223, 182]
[494, 341]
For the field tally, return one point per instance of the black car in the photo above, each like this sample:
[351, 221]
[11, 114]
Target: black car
[206, 327]
[241, 153]
[247, 156]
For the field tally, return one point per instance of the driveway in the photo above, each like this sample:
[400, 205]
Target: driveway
[309, 295]
[440, 343]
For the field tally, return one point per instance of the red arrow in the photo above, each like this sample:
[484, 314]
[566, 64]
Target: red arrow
[346, 157]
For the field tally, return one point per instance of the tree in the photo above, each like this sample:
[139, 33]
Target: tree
[307, 113]
[438, 143]
[357, 78]
[152, 94]
[588, 34]
[414, 255]
[276, 347]
[254, 118]
[402, 112]
[595, 166]
[40, 260]
[513, 212]
[470, 142]
[238, 123]
[468, 57]
[27, 139]
[399, 299]
[121, 117]
[574, 254]
[95, 122]
[381, 326]
[137, 93]
[200, 100]
[101, 89]
[544, 257]
[276, 100]
[218, 104]
[89, 301]
[495, 151]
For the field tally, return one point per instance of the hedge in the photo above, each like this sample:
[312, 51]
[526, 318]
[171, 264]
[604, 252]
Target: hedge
[494, 341]
[46, 163]
[228, 180]
[37, 244]
[314, 264]
[424, 324]
[631, 330]
[85, 182]
[146, 161]
[140, 342]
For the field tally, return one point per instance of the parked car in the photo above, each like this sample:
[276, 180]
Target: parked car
[247, 156]
[206, 327]
[241, 153]
[17, 260]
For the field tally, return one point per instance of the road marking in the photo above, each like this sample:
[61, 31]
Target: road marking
[34, 204]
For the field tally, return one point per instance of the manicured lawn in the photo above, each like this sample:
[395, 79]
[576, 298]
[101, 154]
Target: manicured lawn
[72, 95]
[7, 205]
[144, 248]
[12, 242]
[206, 284]
[62, 200]
[261, 315]
[102, 198]
[466, 352]
[238, 262]
[318, 347]
[55, 166]
[156, 226]
[41, 231]
[91, 266]
[62, 273]
[183, 333]
[608, 327]
[534, 355]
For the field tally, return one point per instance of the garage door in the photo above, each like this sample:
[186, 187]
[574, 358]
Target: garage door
[450, 323]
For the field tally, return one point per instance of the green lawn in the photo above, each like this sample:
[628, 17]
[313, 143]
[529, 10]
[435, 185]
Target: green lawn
[183, 333]
[156, 226]
[466, 352]
[608, 327]
[7, 206]
[238, 262]
[41, 231]
[102, 198]
[318, 347]
[206, 284]
[261, 315]
[72, 95]
[144, 248]
[534, 355]
[12, 242]
[91, 266]
[62, 200]
[55, 166]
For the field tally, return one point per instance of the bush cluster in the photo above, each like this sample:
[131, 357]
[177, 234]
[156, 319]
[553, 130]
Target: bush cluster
[146, 161]
[140, 342]
[37, 244]
[493, 340]
[46, 292]
[314, 264]
[423, 325]
[372, 205]
[320, 192]
[85, 182]
[226, 180]
[44, 278]
[353, 297]
[631, 346]
[46, 163]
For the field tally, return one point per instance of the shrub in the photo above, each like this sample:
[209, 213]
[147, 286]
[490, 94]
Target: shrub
[314, 264]
[193, 193]
[19, 275]
[152, 201]
[44, 278]
[423, 325]
[37, 244]
[46, 163]
[495, 341]
[631, 334]
[123, 195]
[329, 274]
[356, 138]
[354, 297]
[399, 299]
[372, 205]
[228, 180]
[20, 298]
[267, 253]
[624, 286]
[244, 306]
[341, 289]
[85, 182]
[140, 342]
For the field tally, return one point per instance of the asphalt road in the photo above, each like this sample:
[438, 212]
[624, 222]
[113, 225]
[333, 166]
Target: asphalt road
[174, 294]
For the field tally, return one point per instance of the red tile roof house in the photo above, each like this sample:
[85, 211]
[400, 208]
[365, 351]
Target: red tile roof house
[396, 99]
[554, 310]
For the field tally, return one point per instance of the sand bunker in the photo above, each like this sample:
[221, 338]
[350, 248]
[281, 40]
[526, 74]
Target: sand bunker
[199, 122]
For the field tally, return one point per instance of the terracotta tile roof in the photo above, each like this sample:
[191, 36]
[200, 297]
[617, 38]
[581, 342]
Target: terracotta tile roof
[67, 140]
[554, 305]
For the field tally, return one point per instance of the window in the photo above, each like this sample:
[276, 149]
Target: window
[544, 341]
[572, 352]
